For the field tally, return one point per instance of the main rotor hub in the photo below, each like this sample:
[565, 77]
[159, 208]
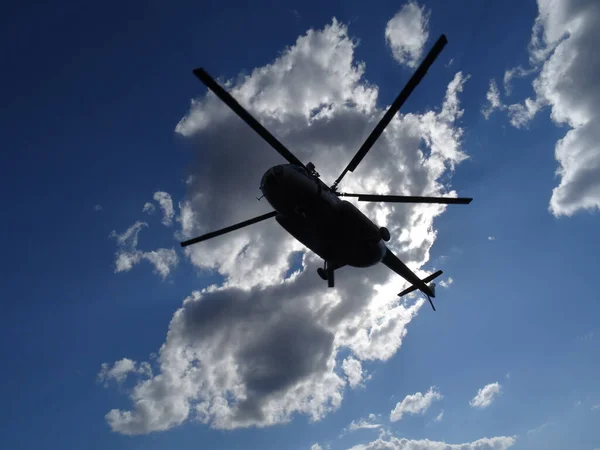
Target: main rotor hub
[311, 168]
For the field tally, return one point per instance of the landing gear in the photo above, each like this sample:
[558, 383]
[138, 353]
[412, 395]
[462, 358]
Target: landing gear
[327, 273]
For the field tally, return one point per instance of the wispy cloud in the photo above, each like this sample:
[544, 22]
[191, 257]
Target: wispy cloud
[166, 204]
[149, 208]
[486, 395]
[540, 428]
[370, 423]
[128, 255]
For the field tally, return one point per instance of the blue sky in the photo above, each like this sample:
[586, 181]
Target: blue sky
[93, 95]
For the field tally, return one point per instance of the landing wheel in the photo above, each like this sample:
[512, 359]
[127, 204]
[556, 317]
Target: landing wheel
[330, 277]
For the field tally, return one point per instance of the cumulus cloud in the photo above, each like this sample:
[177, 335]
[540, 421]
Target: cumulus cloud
[149, 208]
[316, 447]
[97, 207]
[415, 404]
[563, 54]
[353, 370]
[407, 32]
[495, 443]
[164, 260]
[121, 369]
[491, 238]
[446, 283]
[486, 395]
[259, 349]
[166, 204]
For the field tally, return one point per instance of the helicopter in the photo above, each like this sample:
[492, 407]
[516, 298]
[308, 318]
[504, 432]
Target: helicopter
[316, 215]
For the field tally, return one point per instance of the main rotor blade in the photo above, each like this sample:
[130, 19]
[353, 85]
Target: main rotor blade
[389, 115]
[409, 199]
[237, 226]
[246, 116]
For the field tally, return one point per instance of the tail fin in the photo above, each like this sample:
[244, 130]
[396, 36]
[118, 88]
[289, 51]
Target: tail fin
[392, 261]
[431, 277]
[431, 287]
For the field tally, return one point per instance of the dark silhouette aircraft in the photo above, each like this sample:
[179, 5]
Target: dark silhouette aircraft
[313, 212]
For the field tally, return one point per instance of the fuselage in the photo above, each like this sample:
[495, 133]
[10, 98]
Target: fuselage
[331, 227]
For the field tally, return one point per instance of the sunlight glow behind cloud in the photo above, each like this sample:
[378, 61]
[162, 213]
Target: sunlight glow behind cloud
[257, 350]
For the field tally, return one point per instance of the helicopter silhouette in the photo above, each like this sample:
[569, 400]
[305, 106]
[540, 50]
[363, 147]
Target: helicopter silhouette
[314, 213]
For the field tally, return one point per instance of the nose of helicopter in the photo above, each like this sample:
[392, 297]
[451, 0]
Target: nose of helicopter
[270, 181]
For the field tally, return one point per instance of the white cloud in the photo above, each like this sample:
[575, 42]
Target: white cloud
[258, 350]
[563, 53]
[495, 443]
[595, 407]
[521, 114]
[493, 100]
[166, 204]
[149, 208]
[316, 447]
[491, 238]
[539, 428]
[439, 417]
[362, 425]
[446, 283]
[97, 207]
[407, 32]
[353, 370]
[415, 404]
[486, 395]
[164, 260]
[515, 72]
[121, 369]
